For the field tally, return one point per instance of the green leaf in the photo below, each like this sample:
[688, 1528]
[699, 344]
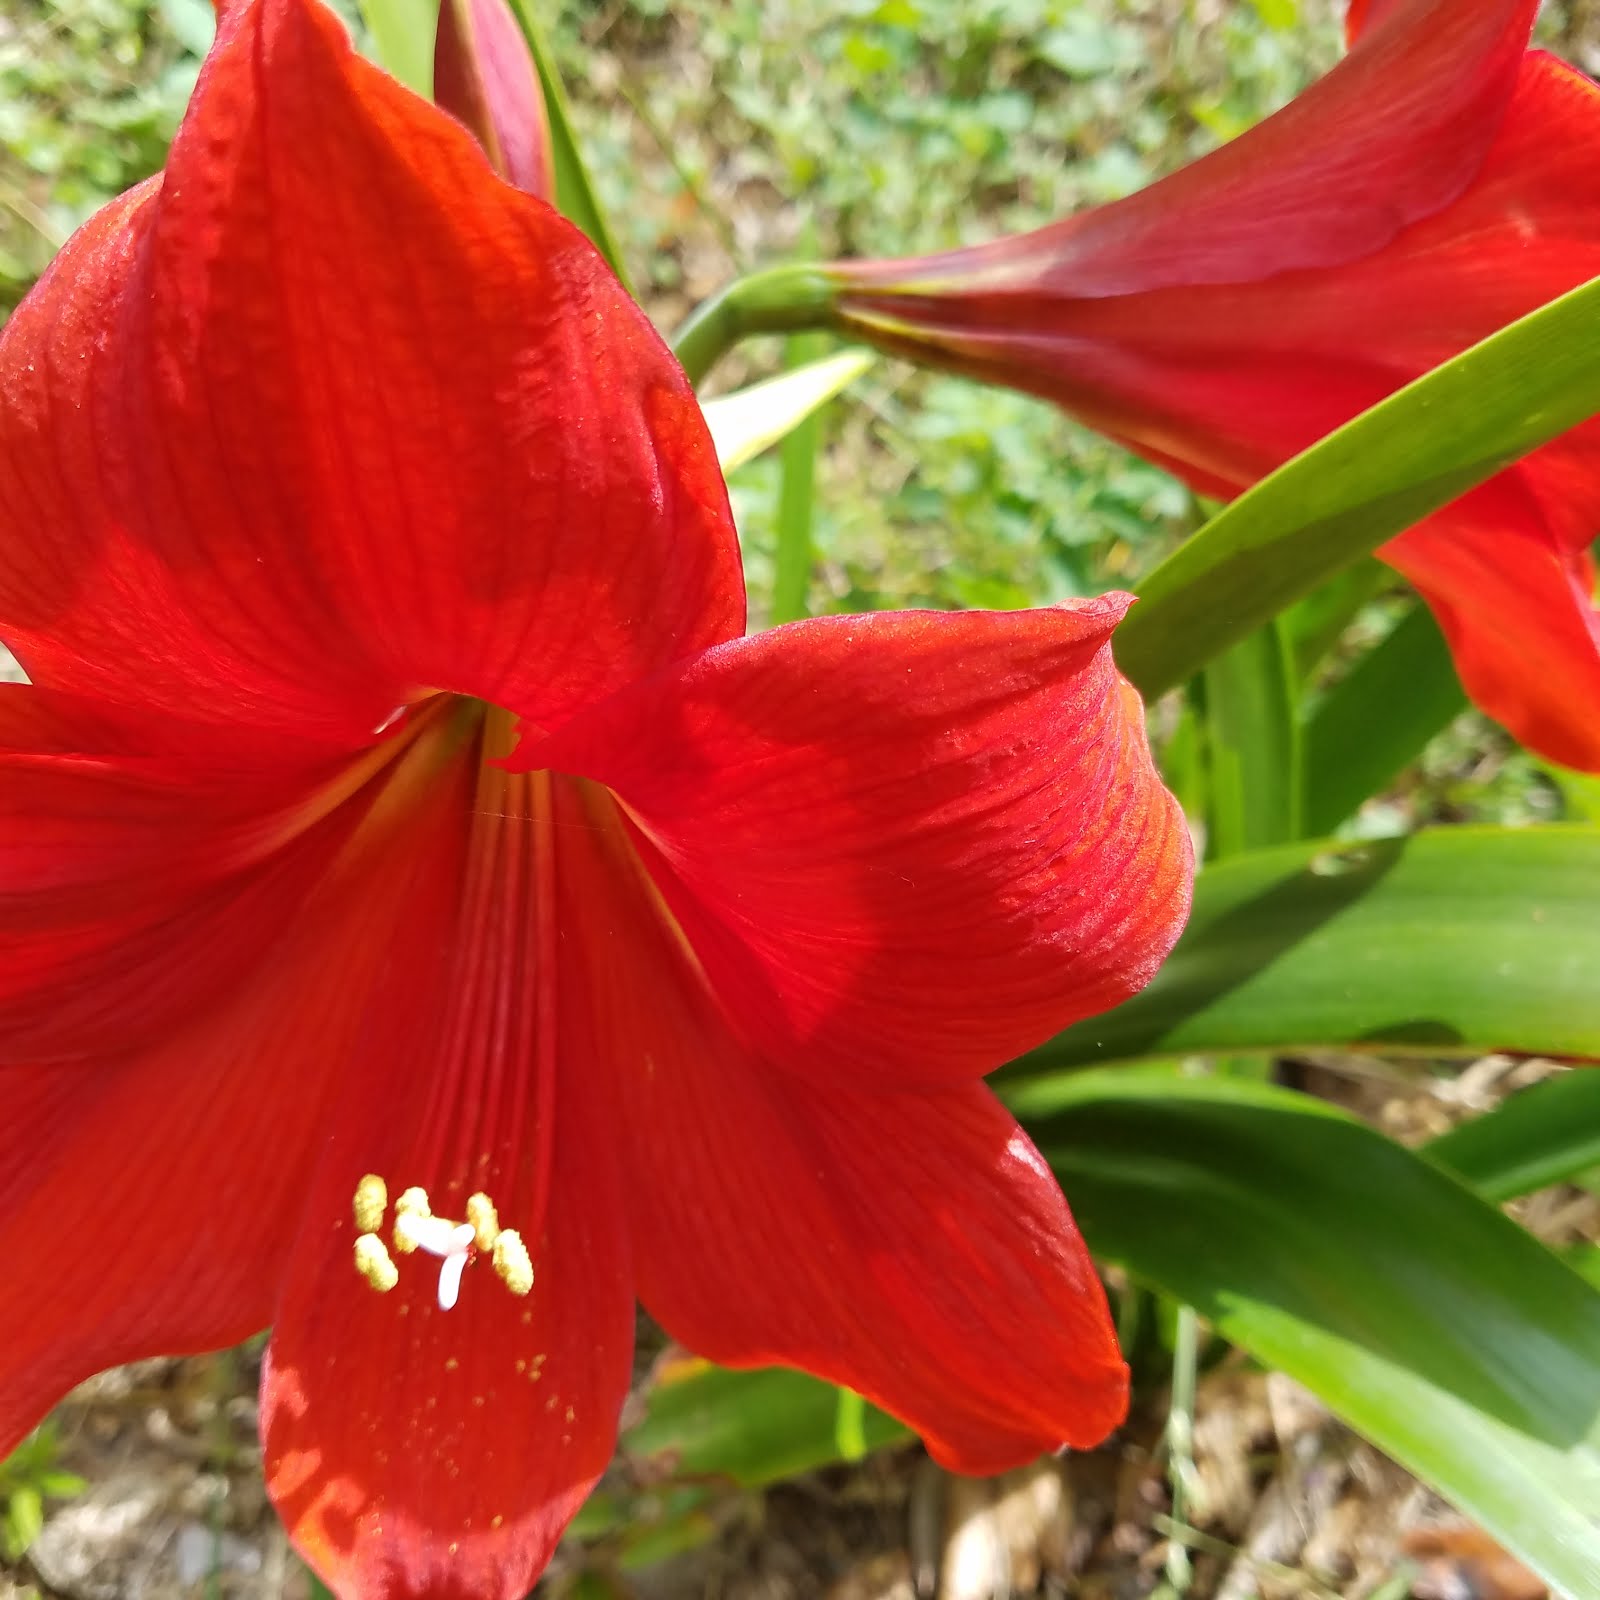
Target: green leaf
[750, 1428]
[1393, 465]
[1459, 940]
[24, 1519]
[1253, 738]
[1545, 1134]
[751, 420]
[1317, 622]
[1584, 1259]
[575, 196]
[1419, 1313]
[402, 37]
[1378, 719]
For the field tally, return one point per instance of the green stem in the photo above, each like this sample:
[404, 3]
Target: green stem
[791, 581]
[850, 1426]
[789, 299]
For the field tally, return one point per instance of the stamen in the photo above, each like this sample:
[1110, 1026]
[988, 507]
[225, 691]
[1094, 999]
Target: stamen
[412, 1203]
[485, 1221]
[373, 1263]
[456, 1244]
[511, 1262]
[371, 1200]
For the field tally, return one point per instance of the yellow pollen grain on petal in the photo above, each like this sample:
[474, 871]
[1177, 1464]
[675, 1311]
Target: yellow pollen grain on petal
[412, 1203]
[511, 1262]
[373, 1263]
[485, 1220]
[370, 1203]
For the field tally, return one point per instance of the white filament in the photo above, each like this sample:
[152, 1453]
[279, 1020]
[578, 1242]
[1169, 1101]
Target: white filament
[439, 1236]
[450, 1277]
[450, 1241]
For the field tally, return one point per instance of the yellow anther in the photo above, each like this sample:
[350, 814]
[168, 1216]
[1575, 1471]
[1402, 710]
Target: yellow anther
[413, 1203]
[511, 1263]
[372, 1199]
[484, 1219]
[373, 1263]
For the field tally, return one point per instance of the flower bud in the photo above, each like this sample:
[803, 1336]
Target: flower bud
[485, 77]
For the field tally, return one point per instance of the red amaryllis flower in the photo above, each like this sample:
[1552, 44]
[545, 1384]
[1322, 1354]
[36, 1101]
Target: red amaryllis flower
[415, 893]
[1437, 184]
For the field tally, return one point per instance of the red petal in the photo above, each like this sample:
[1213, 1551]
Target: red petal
[913, 844]
[148, 1199]
[911, 1243]
[334, 416]
[1518, 611]
[416, 1452]
[136, 889]
[1395, 131]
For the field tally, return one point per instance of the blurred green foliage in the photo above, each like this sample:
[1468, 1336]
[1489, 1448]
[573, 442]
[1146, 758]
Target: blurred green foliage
[29, 1476]
[90, 92]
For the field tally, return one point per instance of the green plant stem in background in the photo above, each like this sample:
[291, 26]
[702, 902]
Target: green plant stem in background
[791, 582]
[1253, 740]
[850, 1426]
[787, 299]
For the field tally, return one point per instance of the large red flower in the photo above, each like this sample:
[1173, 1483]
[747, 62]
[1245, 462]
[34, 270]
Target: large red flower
[396, 798]
[1440, 182]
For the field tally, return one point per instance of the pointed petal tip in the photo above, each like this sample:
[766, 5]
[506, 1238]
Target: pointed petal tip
[269, 249]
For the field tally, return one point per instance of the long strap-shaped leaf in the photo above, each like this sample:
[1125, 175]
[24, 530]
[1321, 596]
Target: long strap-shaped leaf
[1463, 940]
[1378, 718]
[1346, 495]
[1543, 1135]
[1423, 1317]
